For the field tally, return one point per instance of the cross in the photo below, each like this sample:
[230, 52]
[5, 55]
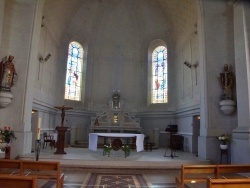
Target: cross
[63, 108]
[118, 58]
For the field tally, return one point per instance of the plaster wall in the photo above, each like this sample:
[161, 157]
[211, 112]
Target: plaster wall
[2, 2]
[117, 50]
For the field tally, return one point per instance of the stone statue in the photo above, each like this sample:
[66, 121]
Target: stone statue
[226, 80]
[63, 108]
[7, 73]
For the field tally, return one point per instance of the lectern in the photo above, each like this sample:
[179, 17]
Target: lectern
[61, 131]
[60, 140]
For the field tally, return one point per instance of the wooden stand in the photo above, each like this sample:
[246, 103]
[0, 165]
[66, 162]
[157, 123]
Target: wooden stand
[223, 152]
[7, 152]
[60, 140]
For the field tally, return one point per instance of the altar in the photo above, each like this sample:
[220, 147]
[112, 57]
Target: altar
[93, 139]
[115, 119]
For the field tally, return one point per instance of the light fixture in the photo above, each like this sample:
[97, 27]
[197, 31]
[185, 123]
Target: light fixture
[189, 65]
[41, 59]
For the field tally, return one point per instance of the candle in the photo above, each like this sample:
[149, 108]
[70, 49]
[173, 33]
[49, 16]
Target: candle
[39, 128]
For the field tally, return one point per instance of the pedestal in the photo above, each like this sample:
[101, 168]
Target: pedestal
[7, 152]
[223, 152]
[60, 140]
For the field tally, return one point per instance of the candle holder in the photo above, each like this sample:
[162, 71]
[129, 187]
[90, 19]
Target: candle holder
[37, 149]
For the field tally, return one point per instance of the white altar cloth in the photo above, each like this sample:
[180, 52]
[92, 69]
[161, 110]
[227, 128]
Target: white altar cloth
[93, 139]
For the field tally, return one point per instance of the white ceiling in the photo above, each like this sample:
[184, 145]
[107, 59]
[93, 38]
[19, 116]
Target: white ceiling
[180, 15]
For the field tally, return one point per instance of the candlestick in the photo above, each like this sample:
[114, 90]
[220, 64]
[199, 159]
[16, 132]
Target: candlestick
[38, 129]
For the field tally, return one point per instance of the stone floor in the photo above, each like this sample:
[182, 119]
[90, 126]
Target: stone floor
[158, 167]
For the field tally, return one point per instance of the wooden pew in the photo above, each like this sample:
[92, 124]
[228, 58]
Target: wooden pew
[233, 171]
[229, 183]
[10, 167]
[43, 170]
[8, 181]
[195, 173]
[40, 169]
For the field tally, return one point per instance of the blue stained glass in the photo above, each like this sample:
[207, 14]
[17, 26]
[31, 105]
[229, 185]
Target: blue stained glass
[159, 76]
[74, 74]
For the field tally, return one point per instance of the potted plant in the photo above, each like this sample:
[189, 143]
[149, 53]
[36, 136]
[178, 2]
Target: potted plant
[225, 140]
[107, 149]
[7, 134]
[126, 149]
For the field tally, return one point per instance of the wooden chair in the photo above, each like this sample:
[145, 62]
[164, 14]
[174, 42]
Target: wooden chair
[48, 139]
[148, 145]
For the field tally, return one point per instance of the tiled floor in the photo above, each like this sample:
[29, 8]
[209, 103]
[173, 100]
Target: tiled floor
[158, 170]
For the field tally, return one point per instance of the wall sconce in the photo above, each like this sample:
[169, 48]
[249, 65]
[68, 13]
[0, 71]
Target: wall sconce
[189, 65]
[41, 59]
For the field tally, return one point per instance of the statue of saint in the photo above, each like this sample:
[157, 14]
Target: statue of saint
[7, 73]
[226, 80]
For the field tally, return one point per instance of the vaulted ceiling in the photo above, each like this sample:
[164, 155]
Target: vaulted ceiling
[180, 15]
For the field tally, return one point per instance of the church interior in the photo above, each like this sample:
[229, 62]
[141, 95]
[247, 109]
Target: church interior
[157, 68]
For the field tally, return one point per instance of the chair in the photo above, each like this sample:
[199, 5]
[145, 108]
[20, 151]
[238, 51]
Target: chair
[48, 139]
[147, 144]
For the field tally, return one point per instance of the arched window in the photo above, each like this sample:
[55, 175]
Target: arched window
[159, 92]
[74, 72]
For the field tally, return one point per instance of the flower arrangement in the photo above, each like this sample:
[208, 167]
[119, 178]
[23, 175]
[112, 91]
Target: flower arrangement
[126, 149]
[225, 138]
[7, 134]
[107, 149]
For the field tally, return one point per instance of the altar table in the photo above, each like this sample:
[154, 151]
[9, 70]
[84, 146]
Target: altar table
[93, 139]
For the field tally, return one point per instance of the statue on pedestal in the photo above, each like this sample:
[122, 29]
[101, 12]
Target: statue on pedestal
[7, 73]
[226, 81]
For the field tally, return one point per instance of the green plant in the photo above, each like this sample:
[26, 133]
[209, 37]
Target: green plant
[225, 138]
[126, 149]
[107, 149]
[7, 134]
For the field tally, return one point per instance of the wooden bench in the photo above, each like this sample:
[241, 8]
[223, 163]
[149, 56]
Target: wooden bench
[229, 183]
[38, 169]
[234, 171]
[195, 173]
[8, 181]
[10, 167]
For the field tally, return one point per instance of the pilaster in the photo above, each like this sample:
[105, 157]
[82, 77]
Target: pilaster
[241, 135]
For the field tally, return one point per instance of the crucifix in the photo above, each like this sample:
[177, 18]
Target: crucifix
[61, 131]
[63, 108]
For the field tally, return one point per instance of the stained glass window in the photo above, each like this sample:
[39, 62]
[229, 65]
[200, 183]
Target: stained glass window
[159, 75]
[74, 72]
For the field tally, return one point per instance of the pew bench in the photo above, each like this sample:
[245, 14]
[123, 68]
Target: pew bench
[229, 183]
[195, 173]
[8, 181]
[10, 167]
[43, 170]
[48, 170]
[234, 171]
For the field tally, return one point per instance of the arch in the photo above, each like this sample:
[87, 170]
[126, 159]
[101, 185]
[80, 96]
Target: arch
[73, 83]
[158, 72]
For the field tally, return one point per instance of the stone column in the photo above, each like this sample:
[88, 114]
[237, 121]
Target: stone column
[73, 135]
[215, 49]
[2, 3]
[240, 147]
[21, 33]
